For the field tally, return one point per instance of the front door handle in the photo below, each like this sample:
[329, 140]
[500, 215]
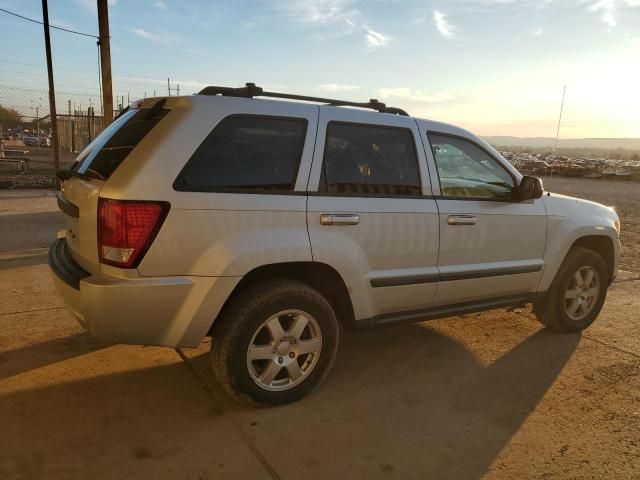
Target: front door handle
[461, 220]
[339, 219]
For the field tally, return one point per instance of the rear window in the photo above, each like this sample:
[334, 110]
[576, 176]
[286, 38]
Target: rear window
[246, 153]
[111, 147]
[369, 160]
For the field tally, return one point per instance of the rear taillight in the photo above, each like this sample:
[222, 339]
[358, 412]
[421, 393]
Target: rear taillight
[126, 230]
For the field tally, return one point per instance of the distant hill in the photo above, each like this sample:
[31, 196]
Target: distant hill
[542, 142]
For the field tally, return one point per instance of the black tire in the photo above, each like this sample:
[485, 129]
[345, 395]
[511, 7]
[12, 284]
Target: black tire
[551, 311]
[242, 317]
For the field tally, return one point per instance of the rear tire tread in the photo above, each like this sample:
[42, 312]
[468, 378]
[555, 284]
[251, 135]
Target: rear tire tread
[229, 326]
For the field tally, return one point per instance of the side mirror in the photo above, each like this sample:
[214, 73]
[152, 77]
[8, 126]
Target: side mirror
[530, 188]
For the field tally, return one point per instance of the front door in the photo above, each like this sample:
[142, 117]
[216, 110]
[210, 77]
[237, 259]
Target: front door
[490, 245]
[371, 215]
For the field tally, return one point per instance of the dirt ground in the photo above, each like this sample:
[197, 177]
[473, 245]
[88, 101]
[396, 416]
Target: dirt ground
[489, 395]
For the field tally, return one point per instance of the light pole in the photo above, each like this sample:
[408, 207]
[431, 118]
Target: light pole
[555, 146]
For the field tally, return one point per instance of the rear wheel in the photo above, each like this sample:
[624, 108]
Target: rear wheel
[274, 343]
[577, 294]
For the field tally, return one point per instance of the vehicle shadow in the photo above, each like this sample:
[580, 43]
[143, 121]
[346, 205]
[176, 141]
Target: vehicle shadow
[31, 357]
[408, 401]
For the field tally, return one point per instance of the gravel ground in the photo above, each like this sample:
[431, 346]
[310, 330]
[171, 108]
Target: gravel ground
[624, 196]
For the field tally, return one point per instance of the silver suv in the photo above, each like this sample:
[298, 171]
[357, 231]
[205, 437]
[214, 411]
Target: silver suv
[268, 224]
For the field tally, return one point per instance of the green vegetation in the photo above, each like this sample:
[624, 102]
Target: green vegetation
[9, 117]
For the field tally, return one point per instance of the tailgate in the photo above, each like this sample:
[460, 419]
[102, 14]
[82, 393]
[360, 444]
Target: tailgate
[78, 200]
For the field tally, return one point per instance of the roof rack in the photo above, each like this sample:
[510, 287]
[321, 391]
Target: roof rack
[251, 90]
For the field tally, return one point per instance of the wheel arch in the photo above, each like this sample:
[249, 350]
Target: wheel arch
[601, 244]
[317, 275]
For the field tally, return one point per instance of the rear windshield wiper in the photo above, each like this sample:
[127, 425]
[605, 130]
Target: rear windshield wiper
[67, 173]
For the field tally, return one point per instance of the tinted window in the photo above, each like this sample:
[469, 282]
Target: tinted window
[246, 152]
[111, 147]
[370, 160]
[466, 170]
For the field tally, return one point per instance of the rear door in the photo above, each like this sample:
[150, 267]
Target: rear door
[370, 211]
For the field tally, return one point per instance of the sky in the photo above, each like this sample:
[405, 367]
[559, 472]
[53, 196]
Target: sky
[495, 67]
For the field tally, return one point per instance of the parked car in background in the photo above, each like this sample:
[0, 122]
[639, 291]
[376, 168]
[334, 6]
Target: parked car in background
[32, 141]
[267, 225]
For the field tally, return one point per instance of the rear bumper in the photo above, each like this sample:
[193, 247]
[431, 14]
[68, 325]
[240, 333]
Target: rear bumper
[174, 311]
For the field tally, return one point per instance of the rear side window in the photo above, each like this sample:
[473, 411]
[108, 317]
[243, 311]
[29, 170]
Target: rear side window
[369, 160]
[247, 153]
[111, 147]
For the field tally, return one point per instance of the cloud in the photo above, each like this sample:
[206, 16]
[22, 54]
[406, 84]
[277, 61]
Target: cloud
[415, 95]
[321, 12]
[538, 32]
[375, 39]
[608, 9]
[165, 38]
[160, 4]
[444, 27]
[146, 35]
[337, 17]
[334, 87]
[61, 23]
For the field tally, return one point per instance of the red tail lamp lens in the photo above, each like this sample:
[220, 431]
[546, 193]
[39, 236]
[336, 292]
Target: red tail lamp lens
[126, 230]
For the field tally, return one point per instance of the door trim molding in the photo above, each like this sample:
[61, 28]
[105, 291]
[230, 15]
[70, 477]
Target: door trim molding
[399, 281]
[404, 280]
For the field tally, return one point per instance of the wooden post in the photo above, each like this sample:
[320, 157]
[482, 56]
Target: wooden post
[38, 128]
[105, 61]
[52, 92]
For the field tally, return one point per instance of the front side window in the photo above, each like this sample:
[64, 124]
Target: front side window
[466, 170]
[369, 160]
[246, 152]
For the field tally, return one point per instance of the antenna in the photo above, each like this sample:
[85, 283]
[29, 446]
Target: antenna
[564, 91]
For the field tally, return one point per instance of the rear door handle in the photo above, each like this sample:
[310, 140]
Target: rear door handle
[461, 220]
[339, 219]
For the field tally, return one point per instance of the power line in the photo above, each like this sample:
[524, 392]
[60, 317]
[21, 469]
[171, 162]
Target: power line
[51, 26]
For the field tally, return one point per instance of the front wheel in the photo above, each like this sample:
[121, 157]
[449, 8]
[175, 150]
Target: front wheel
[274, 343]
[577, 294]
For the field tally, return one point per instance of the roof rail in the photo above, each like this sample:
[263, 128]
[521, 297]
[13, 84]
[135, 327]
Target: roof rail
[251, 90]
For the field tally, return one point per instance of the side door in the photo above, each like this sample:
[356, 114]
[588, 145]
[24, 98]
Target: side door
[239, 201]
[491, 247]
[370, 212]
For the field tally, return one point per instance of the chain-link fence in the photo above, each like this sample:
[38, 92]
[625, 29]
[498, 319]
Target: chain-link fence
[26, 122]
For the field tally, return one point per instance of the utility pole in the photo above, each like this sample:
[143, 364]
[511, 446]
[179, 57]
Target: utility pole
[559, 120]
[168, 87]
[52, 92]
[105, 61]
